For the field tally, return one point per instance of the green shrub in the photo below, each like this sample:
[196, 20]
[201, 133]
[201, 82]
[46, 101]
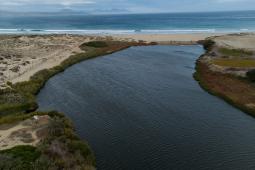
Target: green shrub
[25, 153]
[96, 44]
[251, 75]
[208, 44]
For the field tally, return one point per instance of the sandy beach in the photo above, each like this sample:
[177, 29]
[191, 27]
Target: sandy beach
[167, 38]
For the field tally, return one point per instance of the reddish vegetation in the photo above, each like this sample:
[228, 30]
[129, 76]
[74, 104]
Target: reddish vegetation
[238, 92]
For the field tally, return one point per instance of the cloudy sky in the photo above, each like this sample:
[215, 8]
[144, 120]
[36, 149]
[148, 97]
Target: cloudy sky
[127, 6]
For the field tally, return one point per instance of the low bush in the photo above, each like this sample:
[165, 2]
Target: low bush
[251, 75]
[207, 44]
[25, 153]
[19, 157]
[235, 52]
[96, 44]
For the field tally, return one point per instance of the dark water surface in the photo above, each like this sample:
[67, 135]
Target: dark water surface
[140, 109]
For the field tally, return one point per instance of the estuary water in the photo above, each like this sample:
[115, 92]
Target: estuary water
[141, 109]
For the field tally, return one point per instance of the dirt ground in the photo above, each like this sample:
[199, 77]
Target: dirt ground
[27, 132]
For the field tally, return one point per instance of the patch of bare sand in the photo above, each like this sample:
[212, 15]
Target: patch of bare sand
[237, 41]
[27, 132]
[23, 56]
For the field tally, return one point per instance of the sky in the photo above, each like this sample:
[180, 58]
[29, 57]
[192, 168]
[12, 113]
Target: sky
[126, 6]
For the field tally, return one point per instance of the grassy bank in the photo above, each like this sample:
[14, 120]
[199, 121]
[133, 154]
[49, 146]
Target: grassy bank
[62, 149]
[235, 90]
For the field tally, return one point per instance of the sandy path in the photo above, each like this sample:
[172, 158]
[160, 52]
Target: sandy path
[244, 41]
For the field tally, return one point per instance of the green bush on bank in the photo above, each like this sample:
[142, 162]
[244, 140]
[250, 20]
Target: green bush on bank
[19, 157]
[207, 44]
[96, 44]
[251, 75]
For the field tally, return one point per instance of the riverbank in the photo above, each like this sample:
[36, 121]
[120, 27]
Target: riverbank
[23, 56]
[55, 143]
[225, 67]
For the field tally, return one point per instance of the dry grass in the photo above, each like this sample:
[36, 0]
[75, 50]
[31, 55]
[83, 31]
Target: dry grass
[235, 52]
[236, 62]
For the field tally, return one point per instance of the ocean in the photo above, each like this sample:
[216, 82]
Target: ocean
[171, 23]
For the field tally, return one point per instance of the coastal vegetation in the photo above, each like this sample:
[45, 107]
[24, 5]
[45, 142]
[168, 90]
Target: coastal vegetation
[235, 62]
[96, 44]
[225, 82]
[235, 52]
[207, 44]
[61, 149]
[251, 75]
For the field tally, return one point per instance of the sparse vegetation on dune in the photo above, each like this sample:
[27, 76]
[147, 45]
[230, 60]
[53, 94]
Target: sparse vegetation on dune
[96, 44]
[251, 75]
[235, 52]
[243, 63]
[207, 44]
[61, 149]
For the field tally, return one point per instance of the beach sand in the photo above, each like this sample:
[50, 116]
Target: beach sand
[22, 56]
[167, 38]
